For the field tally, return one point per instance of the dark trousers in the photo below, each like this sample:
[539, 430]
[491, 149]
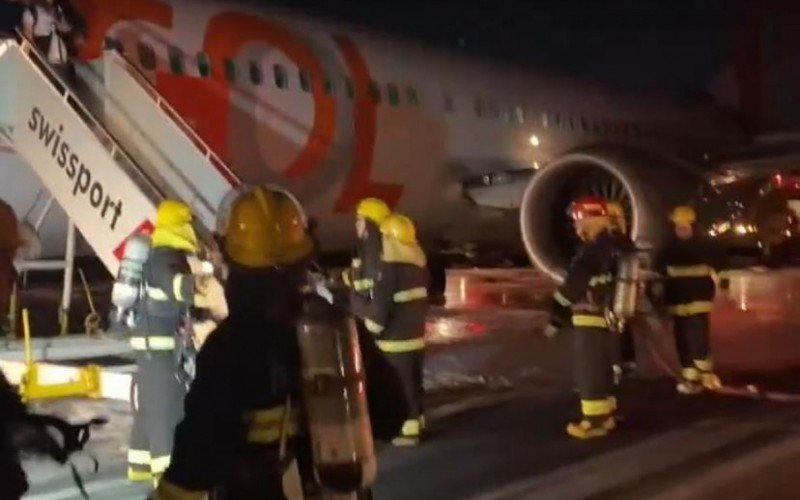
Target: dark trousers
[408, 367]
[158, 409]
[691, 339]
[627, 348]
[257, 473]
[593, 357]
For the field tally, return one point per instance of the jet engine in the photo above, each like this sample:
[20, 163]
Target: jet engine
[646, 185]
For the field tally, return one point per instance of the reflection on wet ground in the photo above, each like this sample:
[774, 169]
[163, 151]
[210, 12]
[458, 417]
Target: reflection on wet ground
[755, 324]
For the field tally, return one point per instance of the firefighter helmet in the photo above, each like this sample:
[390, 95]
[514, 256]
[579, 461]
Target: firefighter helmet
[683, 214]
[173, 213]
[266, 226]
[373, 209]
[588, 206]
[399, 227]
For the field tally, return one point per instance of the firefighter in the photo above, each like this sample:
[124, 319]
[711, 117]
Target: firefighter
[159, 386]
[240, 408]
[625, 364]
[10, 241]
[370, 213]
[395, 314]
[581, 301]
[687, 265]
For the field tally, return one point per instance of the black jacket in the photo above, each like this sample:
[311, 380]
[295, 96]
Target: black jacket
[589, 282]
[169, 292]
[397, 307]
[247, 370]
[688, 267]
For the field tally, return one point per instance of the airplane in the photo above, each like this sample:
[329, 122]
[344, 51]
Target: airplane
[479, 153]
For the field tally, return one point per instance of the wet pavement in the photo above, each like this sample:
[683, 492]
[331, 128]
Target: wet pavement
[499, 395]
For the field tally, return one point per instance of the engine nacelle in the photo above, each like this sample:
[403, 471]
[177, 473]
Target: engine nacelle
[646, 185]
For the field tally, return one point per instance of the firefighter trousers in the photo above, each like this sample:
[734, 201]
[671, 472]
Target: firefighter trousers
[158, 409]
[593, 357]
[627, 348]
[408, 367]
[691, 341]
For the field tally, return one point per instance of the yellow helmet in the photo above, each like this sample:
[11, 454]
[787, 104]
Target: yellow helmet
[373, 209]
[173, 213]
[683, 214]
[399, 227]
[265, 227]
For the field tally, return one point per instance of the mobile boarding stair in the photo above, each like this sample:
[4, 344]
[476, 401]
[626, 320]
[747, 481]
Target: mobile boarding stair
[107, 157]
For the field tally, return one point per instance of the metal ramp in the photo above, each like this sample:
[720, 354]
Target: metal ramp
[107, 154]
[108, 167]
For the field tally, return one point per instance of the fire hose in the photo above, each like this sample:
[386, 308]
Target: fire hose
[752, 391]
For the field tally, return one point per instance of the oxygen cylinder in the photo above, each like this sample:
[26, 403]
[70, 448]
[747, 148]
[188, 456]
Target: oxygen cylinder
[334, 391]
[128, 285]
[626, 289]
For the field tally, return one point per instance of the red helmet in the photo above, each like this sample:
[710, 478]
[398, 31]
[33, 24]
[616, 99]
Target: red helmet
[588, 206]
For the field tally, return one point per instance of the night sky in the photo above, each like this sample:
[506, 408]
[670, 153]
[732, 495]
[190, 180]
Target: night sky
[668, 47]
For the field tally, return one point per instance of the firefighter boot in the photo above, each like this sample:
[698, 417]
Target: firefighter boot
[592, 427]
[410, 434]
[690, 383]
[708, 378]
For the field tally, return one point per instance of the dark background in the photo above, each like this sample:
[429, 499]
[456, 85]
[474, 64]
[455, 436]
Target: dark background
[671, 47]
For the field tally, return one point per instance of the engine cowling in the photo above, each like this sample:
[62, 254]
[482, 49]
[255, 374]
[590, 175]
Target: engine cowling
[646, 185]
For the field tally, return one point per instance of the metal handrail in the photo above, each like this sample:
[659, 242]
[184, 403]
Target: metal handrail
[197, 195]
[109, 143]
[176, 117]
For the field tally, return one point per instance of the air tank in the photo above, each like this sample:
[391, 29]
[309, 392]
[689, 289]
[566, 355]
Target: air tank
[127, 288]
[334, 392]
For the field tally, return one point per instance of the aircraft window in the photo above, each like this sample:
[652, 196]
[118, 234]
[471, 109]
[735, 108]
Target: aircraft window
[256, 76]
[281, 77]
[230, 70]
[480, 107]
[393, 94]
[114, 44]
[176, 60]
[351, 90]
[412, 96]
[147, 56]
[329, 88]
[584, 124]
[374, 91]
[572, 123]
[545, 120]
[449, 105]
[557, 120]
[508, 115]
[305, 81]
[204, 65]
[519, 114]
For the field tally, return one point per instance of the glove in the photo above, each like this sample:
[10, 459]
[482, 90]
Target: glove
[202, 329]
[211, 296]
[551, 330]
[324, 292]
